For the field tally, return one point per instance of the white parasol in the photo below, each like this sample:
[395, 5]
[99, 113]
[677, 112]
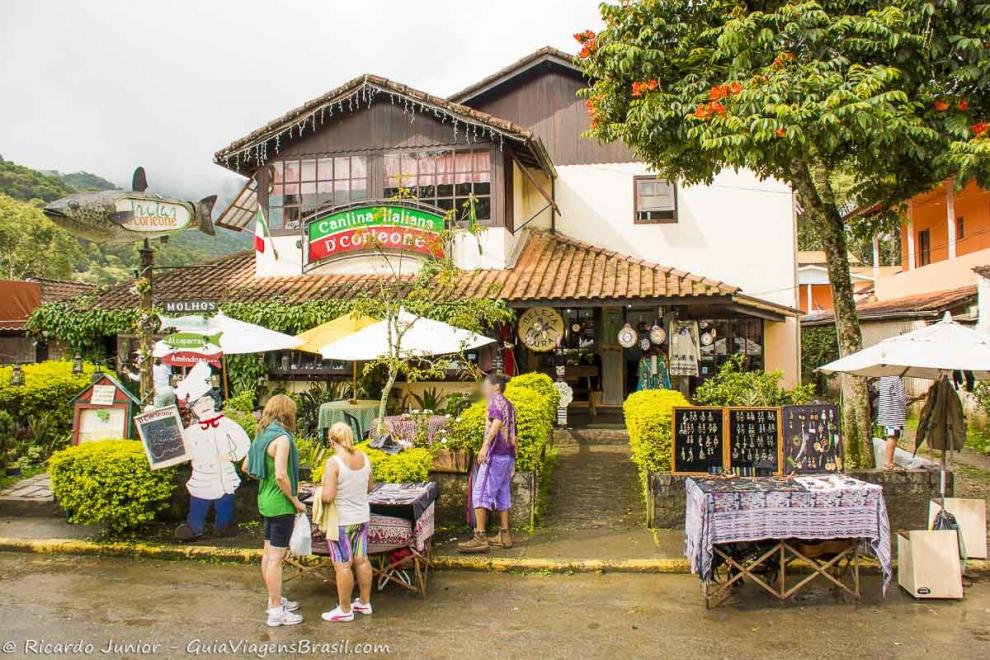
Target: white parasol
[924, 353]
[236, 337]
[422, 337]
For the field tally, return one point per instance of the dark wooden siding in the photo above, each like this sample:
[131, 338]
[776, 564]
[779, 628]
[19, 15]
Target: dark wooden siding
[383, 128]
[544, 99]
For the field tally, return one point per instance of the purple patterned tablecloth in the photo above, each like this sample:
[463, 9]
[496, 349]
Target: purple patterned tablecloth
[403, 427]
[808, 507]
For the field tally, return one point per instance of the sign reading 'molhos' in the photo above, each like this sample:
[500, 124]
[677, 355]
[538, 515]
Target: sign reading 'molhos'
[389, 228]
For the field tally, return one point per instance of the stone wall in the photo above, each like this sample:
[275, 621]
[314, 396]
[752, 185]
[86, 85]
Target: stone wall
[449, 507]
[906, 492]
[451, 510]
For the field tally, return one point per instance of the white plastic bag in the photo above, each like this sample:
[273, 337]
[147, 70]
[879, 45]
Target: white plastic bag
[301, 541]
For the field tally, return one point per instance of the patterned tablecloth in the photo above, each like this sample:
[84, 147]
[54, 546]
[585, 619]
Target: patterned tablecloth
[365, 410]
[403, 427]
[808, 507]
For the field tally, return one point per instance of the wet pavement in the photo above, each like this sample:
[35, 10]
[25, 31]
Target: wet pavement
[188, 609]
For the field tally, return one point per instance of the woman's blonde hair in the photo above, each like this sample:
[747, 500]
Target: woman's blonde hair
[342, 435]
[281, 409]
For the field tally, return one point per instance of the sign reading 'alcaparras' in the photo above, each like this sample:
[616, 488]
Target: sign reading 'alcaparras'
[387, 228]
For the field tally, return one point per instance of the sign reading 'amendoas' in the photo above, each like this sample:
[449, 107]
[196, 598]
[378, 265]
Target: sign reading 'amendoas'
[382, 227]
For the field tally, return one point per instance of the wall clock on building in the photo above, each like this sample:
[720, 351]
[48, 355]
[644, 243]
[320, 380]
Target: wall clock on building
[541, 329]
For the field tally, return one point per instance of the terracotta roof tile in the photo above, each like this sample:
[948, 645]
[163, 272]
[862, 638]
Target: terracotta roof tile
[550, 267]
[922, 305]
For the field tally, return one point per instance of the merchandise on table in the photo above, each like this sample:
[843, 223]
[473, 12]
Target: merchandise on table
[720, 511]
[812, 438]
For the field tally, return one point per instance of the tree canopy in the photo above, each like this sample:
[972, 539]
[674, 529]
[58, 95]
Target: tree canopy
[894, 95]
[897, 94]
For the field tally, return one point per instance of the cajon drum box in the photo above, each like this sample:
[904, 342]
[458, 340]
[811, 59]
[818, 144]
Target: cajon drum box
[928, 564]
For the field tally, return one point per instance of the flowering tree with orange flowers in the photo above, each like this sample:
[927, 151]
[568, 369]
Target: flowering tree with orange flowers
[895, 94]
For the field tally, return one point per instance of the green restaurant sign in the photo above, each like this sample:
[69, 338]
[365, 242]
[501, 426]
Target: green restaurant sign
[390, 228]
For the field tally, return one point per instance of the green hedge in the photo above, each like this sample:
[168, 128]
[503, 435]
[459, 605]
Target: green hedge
[648, 421]
[542, 385]
[109, 482]
[409, 465]
[534, 422]
[39, 409]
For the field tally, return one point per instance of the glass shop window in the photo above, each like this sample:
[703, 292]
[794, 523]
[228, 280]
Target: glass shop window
[445, 179]
[297, 188]
[655, 200]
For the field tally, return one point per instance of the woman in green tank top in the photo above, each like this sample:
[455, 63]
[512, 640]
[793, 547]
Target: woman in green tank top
[274, 461]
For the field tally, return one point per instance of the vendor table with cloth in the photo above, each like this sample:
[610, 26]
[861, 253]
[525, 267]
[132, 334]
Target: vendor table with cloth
[400, 534]
[364, 410]
[753, 528]
[403, 427]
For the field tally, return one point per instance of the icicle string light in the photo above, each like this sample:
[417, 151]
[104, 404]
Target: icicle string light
[257, 152]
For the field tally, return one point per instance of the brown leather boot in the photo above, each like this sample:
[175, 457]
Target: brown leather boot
[477, 543]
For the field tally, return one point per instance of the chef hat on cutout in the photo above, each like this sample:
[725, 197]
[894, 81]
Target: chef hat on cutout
[195, 384]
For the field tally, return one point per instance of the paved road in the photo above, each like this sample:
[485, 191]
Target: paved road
[467, 615]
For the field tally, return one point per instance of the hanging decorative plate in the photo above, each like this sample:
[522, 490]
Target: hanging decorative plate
[575, 327]
[541, 329]
[703, 325]
[644, 343]
[706, 339]
[713, 332]
[657, 334]
[627, 336]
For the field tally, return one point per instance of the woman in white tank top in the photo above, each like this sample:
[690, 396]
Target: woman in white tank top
[347, 480]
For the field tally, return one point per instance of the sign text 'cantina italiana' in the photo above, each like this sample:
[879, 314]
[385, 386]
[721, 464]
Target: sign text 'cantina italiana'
[385, 228]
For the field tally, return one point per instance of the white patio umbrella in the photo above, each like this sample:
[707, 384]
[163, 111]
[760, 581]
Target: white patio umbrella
[923, 353]
[237, 336]
[422, 337]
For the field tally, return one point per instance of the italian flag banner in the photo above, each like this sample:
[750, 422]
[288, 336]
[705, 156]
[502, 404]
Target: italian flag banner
[261, 232]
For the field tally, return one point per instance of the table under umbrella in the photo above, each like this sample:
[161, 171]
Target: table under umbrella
[324, 334]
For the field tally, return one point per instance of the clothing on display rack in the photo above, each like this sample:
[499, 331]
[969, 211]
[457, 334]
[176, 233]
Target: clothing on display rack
[685, 348]
[652, 373]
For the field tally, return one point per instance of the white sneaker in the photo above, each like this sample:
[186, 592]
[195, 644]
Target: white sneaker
[336, 615]
[289, 605]
[360, 608]
[279, 616]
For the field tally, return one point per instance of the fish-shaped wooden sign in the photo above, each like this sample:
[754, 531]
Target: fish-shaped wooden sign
[121, 216]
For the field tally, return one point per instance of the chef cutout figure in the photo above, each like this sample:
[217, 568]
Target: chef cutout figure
[214, 443]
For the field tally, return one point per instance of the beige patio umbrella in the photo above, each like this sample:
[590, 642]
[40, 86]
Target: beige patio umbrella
[315, 339]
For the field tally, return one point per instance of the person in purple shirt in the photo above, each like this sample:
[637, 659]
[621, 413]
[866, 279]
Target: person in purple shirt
[492, 479]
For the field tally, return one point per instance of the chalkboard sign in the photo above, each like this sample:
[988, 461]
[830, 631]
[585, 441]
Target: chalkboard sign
[812, 438]
[754, 446]
[161, 434]
[698, 441]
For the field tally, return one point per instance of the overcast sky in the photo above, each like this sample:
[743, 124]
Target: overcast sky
[104, 85]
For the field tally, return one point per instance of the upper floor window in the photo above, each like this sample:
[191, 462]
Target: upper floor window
[297, 188]
[445, 179]
[655, 201]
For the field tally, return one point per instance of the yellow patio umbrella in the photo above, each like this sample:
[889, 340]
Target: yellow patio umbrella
[315, 339]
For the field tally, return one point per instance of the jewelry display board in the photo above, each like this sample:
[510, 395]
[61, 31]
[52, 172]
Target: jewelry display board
[698, 441]
[753, 441]
[812, 438]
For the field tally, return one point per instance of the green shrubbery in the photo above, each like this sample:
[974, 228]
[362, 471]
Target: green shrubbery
[408, 465]
[535, 415]
[38, 415]
[648, 421]
[733, 386]
[542, 385]
[109, 482]
[240, 409]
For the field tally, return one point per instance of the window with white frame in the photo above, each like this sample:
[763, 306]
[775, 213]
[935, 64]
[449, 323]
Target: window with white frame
[654, 201]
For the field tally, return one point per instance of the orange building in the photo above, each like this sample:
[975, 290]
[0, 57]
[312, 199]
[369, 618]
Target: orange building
[815, 293]
[945, 235]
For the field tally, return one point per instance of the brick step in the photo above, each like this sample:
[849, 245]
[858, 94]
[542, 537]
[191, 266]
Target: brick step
[588, 436]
